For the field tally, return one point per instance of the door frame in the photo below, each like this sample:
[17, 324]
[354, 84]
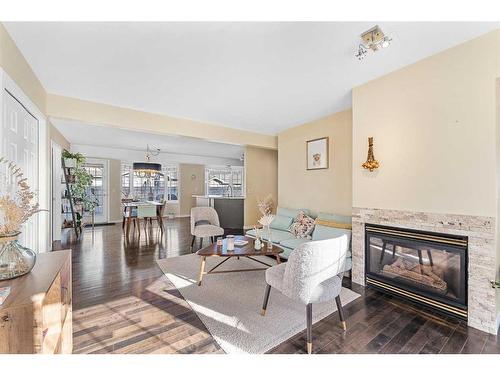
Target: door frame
[55, 192]
[44, 218]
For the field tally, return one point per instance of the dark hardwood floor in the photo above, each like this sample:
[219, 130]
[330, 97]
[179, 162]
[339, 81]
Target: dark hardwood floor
[122, 303]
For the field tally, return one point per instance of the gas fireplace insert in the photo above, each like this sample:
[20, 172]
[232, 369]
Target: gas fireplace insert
[425, 267]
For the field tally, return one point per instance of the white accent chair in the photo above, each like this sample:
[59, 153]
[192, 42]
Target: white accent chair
[204, 223]
[313, 274]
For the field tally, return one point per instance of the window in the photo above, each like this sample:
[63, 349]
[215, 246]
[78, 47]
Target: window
[163, 186]
[172, 185]
[224, 181]
[96, 187]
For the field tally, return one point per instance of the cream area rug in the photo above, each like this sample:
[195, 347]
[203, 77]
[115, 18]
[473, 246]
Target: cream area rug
[229, 304]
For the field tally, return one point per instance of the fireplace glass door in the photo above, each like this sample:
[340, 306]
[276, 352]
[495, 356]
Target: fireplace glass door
[427, 264]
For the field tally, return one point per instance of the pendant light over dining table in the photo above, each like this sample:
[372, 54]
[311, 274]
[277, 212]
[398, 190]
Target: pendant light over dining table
[147, 169]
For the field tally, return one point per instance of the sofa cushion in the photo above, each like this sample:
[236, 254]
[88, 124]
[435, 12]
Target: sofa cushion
[323, 233]
[292, 244]
[335, 217]
[281, 222]
[302, 226]
[290, 212]
[276, 235]
[333, 224]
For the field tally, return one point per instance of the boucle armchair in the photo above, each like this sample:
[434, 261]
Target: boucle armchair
[313, 274]
[204, 223]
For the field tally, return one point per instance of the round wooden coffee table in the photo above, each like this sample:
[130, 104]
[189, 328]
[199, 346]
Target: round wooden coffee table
[246, 251]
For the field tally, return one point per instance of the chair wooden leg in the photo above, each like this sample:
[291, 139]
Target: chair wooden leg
[160, 223]
[138, 226]
[123, 223]
[341, 312]
[309, 327]
[128, 225]
[192, 243]
[266, 299]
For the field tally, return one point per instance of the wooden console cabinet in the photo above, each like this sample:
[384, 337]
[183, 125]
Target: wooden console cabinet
[37, 315]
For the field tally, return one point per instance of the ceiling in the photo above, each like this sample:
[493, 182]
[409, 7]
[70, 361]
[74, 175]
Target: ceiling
[262, 77]
[102, 136]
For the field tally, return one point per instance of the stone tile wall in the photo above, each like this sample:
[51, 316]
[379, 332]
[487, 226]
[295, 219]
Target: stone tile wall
[481, 253]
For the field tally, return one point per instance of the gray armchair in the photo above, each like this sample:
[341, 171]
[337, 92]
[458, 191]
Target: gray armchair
[313, 274]
[204, 223]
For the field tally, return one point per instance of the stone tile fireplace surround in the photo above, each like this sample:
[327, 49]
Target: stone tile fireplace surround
[480, 231]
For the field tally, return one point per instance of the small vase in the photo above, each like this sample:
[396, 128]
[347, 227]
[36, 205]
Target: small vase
[257, 245]
[15, 260]
[269, 239]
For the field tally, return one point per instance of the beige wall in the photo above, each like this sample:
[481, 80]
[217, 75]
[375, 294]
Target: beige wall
[115, 190]
[192, 181]
[261, 179]
[14, 63]
[325, 190]
[434, 129]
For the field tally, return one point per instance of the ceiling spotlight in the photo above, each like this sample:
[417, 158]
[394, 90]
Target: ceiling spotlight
[373, 39]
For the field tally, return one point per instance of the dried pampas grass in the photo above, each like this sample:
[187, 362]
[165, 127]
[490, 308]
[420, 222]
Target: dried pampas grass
[16, 199]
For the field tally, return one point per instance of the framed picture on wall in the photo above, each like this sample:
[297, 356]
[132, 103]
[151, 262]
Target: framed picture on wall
[317, 153]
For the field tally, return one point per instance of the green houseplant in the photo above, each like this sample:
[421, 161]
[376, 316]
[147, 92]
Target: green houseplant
[81, 189]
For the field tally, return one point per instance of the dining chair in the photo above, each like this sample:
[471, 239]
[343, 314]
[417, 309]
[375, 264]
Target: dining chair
[144, 211]
[160, 211]
[129, 217]
[125, 210]
[312, 274]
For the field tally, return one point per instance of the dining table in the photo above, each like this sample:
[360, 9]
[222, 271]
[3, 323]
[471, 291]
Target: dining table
[128, 206]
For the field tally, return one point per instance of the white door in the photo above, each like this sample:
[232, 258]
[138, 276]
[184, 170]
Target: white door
[98, 169]
[20, 145]
[56, 190]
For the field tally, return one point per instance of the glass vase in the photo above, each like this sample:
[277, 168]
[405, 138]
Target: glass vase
[15, 260]
[269, 239]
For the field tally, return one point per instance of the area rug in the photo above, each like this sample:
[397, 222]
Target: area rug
[229, 304]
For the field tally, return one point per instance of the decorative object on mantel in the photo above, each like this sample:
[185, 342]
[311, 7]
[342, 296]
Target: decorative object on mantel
[317, 153]
[16, 207]
[370, 163]
[266, 209]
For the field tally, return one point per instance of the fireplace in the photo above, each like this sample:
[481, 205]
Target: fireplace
[425, 267]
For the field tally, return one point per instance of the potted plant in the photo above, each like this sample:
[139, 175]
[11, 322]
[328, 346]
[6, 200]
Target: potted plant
[71, 160]
[81, 190]
[17, 205]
